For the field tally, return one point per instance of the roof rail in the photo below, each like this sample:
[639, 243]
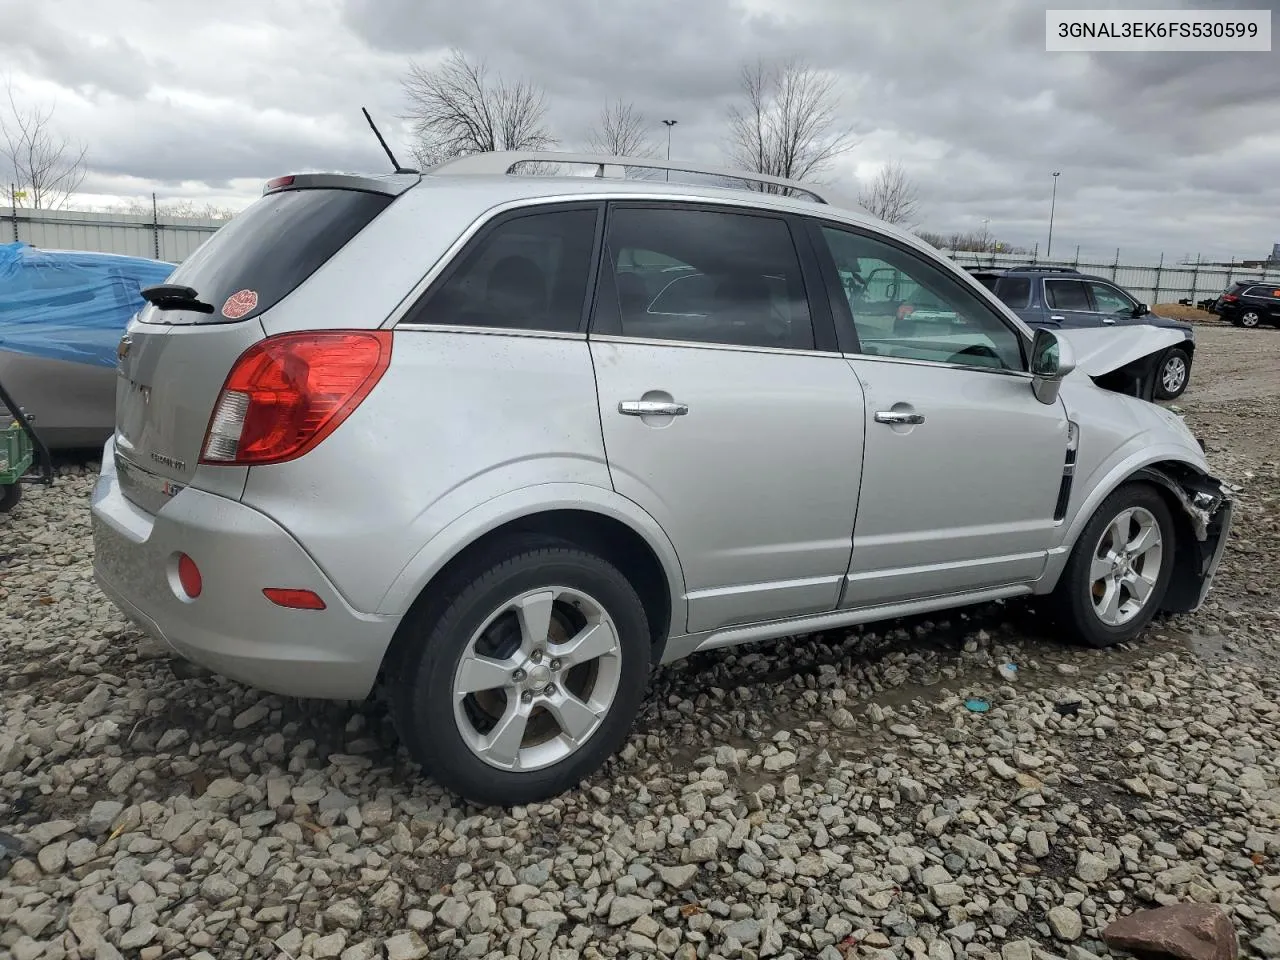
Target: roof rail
[502, 163]
[1041, 268]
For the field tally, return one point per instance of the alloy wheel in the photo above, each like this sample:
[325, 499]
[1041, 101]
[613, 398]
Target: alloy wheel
[536, 681]
[1126, 566]
[1174, 375]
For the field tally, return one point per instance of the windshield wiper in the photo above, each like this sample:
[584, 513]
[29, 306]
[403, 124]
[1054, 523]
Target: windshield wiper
[173, 296]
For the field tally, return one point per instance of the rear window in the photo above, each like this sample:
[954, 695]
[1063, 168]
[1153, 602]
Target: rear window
[270, 249]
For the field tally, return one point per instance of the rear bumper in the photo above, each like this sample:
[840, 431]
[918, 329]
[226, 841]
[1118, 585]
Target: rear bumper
[231, 627]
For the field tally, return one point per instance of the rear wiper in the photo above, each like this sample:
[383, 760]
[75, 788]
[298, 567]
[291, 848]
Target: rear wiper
[173, 296]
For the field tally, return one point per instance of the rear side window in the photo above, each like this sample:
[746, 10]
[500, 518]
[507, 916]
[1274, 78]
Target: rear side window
[1014, 291]
[1272, 293]
[1067, 295]
[704, 276]
[528, 272]
[271, 248]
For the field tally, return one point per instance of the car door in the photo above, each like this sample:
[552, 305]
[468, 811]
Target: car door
[1068, 303]
[963, 466]
[1112, 305]
[1265, 300]
[727, 411]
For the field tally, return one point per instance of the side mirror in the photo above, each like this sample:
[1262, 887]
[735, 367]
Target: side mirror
[1051, 361]
[1141, 310]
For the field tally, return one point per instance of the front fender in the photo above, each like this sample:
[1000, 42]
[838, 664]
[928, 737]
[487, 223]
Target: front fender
[1131, 459]
[525, 502]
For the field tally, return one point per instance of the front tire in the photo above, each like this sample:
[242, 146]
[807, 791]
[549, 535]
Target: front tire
[1175, 375]
[527, 678]
[1119, 569]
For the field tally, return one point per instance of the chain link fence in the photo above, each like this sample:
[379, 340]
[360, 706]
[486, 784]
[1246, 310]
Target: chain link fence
[1152, 283]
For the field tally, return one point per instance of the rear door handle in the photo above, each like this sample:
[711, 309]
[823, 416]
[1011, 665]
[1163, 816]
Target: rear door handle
[897, 416]
[652, 408]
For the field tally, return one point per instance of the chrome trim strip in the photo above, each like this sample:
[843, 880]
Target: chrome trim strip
[492, 331]
[763, 587]
[699, 345]
[732, 636]
[939, 567]
[910, 361]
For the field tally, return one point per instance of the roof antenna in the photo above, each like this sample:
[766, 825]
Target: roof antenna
[394, 162]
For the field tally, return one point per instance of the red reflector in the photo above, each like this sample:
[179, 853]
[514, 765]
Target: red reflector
[189, 576]
[297, 599]
[287, 393]
[277, 182]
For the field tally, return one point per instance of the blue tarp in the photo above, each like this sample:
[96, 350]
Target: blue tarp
[70, 305]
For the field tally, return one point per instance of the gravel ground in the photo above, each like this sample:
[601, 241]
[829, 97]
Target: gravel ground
[828, 797]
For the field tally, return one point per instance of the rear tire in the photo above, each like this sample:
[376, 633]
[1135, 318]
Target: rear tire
[1174, 376]
[1119, 569]
[523, 675]
[1250, 319]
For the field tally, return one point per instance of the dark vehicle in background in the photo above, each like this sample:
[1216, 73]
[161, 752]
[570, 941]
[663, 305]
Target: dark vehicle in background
[1248, 303]
[1061, 297]
[62, 313]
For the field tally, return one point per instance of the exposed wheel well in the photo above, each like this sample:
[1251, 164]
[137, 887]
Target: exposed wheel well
[1169, 479]
[609, 539]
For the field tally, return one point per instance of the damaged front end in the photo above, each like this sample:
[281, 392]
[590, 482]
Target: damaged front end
[1124, 361]
[1204, 523]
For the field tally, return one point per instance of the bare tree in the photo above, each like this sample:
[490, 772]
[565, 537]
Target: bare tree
[788, 124]
[892, 196]
[188, 209]
[44, 164]
[620, 131]
[456, 109]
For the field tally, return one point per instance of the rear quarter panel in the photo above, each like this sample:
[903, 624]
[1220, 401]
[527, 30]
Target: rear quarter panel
[458, 419]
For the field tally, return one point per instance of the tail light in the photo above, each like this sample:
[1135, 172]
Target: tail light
[287, 393]
[1230, 297]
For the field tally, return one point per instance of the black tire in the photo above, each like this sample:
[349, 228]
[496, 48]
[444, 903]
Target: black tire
[9, 496]
[1175, 354]
[1072, 599]
[421, 670]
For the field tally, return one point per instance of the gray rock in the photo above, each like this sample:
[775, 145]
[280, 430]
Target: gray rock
[679, 877]
[1091, 868]
[103, 817]
[1065, 923]
[345, 913]
[406, 946]
[624, 910]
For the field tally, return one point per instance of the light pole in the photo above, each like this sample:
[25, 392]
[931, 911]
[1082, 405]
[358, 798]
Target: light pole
[669, 124]
[986, 234]
[1053, 202]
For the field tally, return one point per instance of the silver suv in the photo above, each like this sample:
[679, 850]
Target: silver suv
[499, 444]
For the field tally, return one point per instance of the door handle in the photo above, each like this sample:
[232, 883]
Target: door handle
[897, 416]
[1108, 320]
[1057, 317]
[652, 408]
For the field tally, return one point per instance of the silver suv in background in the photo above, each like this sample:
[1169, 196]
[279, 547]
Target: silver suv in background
[499, 444]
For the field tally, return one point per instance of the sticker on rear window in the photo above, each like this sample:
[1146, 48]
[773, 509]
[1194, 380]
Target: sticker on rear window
[240, 304]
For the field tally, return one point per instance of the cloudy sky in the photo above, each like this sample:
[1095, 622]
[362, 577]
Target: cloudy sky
[1158, 152]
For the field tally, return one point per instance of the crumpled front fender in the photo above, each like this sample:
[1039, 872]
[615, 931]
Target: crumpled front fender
[1206, 515]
